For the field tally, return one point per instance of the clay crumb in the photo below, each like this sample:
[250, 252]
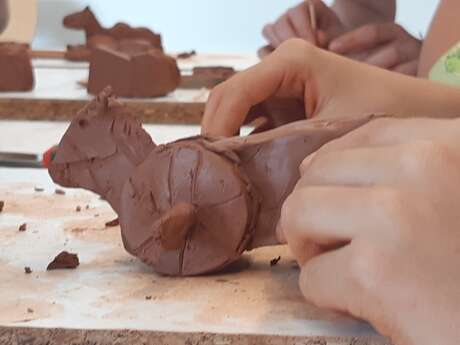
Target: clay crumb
[96, 215]
[27, 270]
[221, 280]
[23, 227]
[87, 207]
[59, 191]
[148, 298]
[78, 209]
[64, 260]
[112, 223]
[274, 262]
[38, 189]
[30, 310]
[2, 205]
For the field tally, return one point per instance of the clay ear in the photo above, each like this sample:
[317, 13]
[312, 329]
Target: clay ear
[176, 224]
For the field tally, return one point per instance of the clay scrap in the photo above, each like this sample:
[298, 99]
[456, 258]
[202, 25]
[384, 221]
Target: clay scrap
[64, 260]
[16, 73]
[195, 205]
[133, 69]
[98, 36]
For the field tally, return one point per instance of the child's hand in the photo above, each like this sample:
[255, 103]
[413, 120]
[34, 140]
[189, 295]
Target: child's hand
[296, 23]
[386, 45]
[383, 203]
[328, 84]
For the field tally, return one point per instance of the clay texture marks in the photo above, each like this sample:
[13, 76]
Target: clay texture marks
[271, 161]
[192, 206]
[100, 149]
[133, 69]
[16, 73]
[186, 195]
[87, 21]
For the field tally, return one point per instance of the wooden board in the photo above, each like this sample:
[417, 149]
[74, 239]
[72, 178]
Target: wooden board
[104, 300]
[58, 96]
[111, 292]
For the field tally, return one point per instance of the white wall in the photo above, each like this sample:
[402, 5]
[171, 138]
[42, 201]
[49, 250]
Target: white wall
[204, 25]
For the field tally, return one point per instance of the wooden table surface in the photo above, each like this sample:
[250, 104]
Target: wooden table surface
[112, 298]
[58, 96]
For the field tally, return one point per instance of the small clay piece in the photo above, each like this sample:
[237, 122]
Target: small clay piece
[97, 36]
[27, 270]
[30, 310]
[133, 71]
[2, 206]
[38, 189]
[186, 55]
[112, 223]
[16, 73]
[148, 298]
[64, 260]
[195, 205]
[274, 262]
[22, 227]
[59, 191]
[78, 209]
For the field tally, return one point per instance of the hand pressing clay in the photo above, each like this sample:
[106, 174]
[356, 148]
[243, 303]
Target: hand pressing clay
[16, 73]
[192, 206]
[98, 36]
[133, 69]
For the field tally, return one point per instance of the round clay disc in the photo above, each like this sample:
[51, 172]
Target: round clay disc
[174, 176]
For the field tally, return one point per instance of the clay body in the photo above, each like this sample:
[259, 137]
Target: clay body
[192, 206]
[98, 36]
[133, 69]
[16, 73]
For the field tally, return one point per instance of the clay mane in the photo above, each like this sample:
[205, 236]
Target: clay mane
[192, 206]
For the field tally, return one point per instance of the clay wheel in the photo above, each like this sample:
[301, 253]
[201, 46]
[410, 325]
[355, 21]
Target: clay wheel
[172, 177]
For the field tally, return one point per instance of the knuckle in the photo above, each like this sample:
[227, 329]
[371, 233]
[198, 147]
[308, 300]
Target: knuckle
[390, 205]
[420, 157]
[367, 268]
[288, 215]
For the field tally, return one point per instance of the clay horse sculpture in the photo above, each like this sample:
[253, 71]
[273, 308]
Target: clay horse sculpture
[96, 35]
[192, 206]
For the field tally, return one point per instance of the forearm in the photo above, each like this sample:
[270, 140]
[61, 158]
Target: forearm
[355, 13]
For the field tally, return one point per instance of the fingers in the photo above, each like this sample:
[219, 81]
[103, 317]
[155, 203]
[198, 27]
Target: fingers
[394, 54]
[408, 68]
[295, 23]
[330, 216]
[284, 73]
[325, 281]
[359, 167]
[270, 35]
[365, 38]
[299, 16]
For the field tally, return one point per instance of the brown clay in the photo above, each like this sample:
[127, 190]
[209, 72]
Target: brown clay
[192, 206]
[64, 260]
[133, 69]
[16, 73]
[98, 36]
